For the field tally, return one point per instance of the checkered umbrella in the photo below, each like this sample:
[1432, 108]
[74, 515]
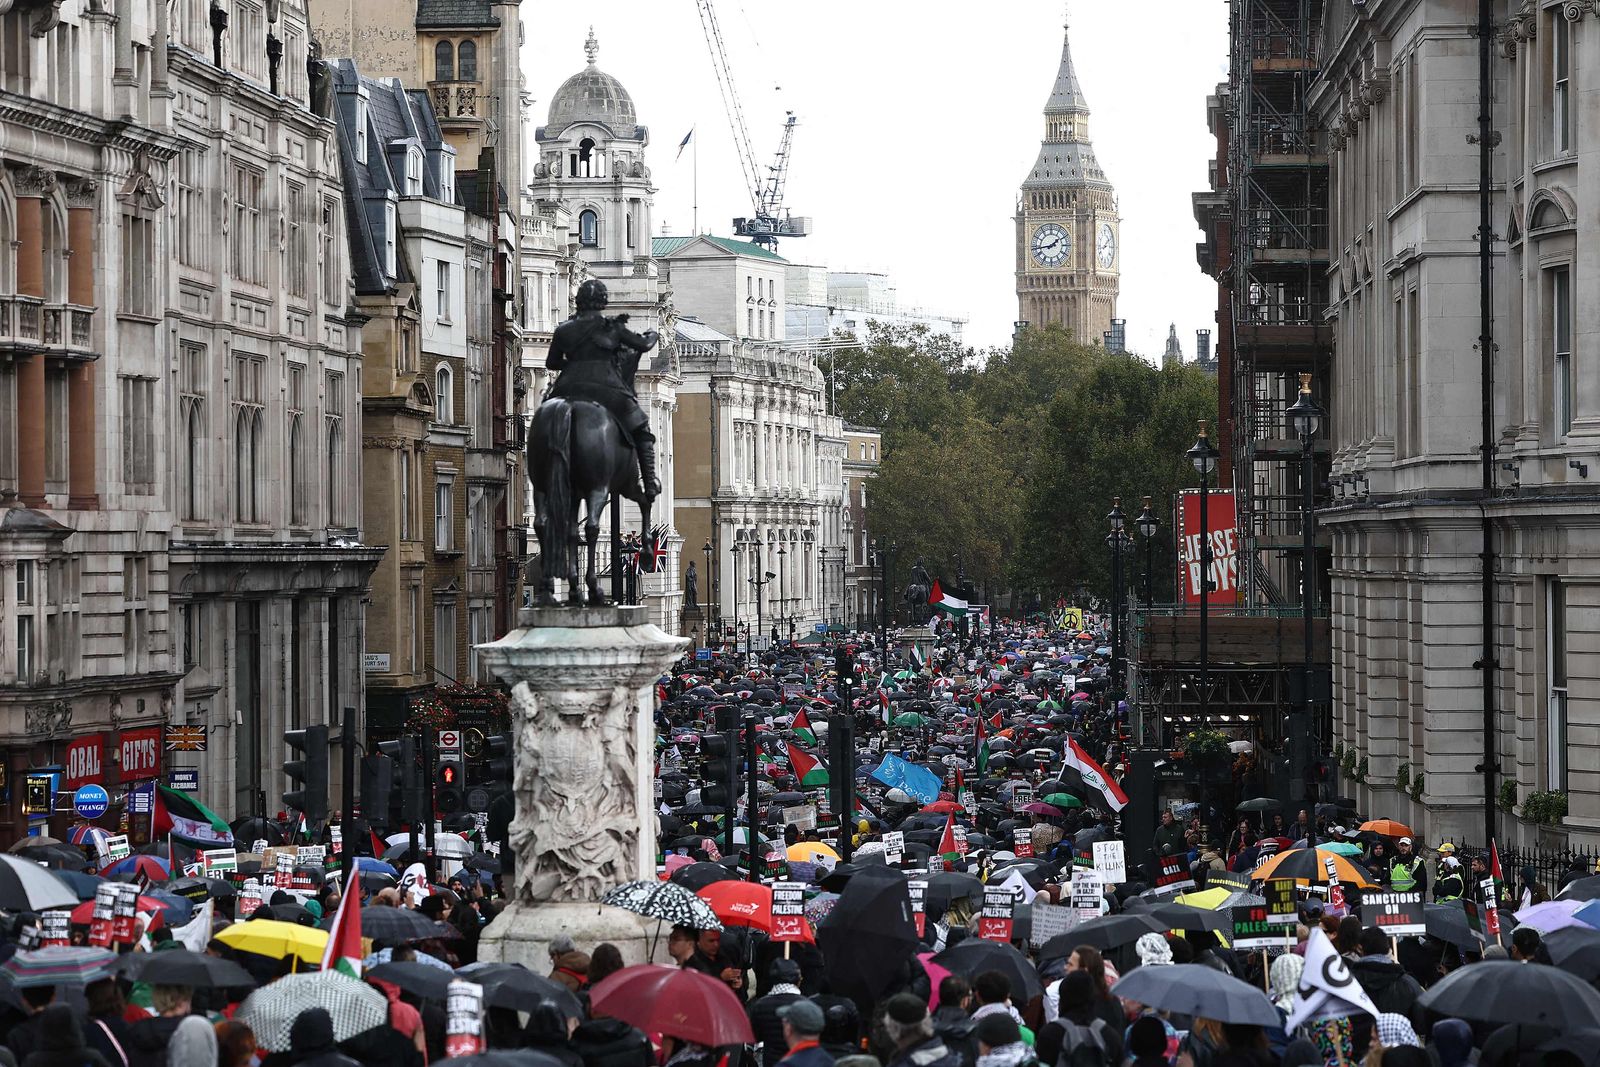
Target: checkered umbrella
[665, 901]
[63, 965]
[270, 1011]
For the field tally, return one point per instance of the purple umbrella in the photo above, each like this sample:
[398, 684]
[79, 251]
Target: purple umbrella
[1041, 808]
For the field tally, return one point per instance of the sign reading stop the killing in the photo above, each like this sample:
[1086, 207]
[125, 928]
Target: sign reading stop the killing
[1222, 534]
[788, 911]
[995, 923]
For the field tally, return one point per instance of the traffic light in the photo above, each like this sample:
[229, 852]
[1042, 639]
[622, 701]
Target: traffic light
[499, 762]
[405, 795]
[447, 793]
[377, 788]
[845, 664]
[311, 772]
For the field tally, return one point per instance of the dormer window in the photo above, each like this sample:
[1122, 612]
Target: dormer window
[413, 179]
[390, 234]
[447, 177]
[361, 128]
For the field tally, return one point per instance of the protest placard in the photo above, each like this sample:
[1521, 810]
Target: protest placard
[336, 839]
[1251, 928]
[103, 916]
[1396, 914]
[1050, 920]
[789, 912]
[123, 912]
[1109, 861]
[311, 855]
[960, 834]
[117, 848]
[55, 928]
[995, 921]
[1283, 905]
[463, 1025]
[917, 889]
[1173, 873]
[249, 899]
[1022, 842]
[1021, 797]
[894, 847]
[1087, 894]
[801, 817]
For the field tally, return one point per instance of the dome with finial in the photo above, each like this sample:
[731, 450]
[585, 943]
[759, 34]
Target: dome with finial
[592, 95]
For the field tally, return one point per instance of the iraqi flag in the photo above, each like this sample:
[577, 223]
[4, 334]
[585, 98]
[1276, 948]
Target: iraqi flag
[939, 600]
[188, 821]
[802, 728]
[807, 770]
[343, 953]
[1094, 775]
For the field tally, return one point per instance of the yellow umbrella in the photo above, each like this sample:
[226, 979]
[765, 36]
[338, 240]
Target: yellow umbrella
[809, 851]
[1206, 899]
[279, 940]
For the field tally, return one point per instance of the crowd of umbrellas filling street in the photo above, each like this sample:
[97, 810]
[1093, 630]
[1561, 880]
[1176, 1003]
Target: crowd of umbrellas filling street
[887, 858]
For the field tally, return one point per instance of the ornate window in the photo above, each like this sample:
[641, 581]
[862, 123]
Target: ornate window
[588, 228]
[192, 413]
[444, 62]
[467, 61]
[248, 415]
[444, 396]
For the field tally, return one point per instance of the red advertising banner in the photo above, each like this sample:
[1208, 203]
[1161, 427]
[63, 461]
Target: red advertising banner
[85, 762]
[1223, 534]
[141, 753]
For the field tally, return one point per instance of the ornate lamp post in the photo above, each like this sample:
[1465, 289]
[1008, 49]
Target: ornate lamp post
[1203, 457]
[783, 589]
[1116, 540]
[1305, 417]
[739, 545]
[1148, 524]
[713, 609]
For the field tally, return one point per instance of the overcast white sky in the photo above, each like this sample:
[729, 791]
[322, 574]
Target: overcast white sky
[918, 122]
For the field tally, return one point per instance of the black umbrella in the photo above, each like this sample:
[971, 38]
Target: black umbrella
[948, 885]
[390, 924]
[973, 956]
[666, 901]
[181, 966]
[869, 937]
[482, 861]
[696, 876]
[1576, 950]
[199, 889]
[511, 985]
[248, 830]
[421, 979]
[1259, 804]
[1448, 923]
[1106, 932]
[1176, 916]
[26, 886]
[1197, 990]
[1581, 889]
[59, 856]
[1503, 991]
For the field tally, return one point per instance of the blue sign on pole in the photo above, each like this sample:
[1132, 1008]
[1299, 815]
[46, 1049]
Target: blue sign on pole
[91, 801]
[702, 654]
[185, 779]
[822, 627]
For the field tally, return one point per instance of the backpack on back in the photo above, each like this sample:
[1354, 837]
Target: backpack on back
[611, 1043]
[1083, 1046]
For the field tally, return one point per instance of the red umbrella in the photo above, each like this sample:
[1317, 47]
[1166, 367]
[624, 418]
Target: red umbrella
[744, 904]
[83, 914]
[666, 1000]
[944, 807]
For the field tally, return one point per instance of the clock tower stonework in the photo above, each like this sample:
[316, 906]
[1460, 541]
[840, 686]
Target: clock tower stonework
[1068, 240]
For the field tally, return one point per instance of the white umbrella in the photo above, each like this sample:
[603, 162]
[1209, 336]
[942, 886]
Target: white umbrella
[26, 886]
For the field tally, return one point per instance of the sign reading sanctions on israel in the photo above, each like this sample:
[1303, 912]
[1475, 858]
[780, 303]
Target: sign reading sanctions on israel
[1396, 914]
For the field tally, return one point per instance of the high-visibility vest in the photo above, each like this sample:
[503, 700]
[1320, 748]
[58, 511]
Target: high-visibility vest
[1450, 886]
[1403, 875]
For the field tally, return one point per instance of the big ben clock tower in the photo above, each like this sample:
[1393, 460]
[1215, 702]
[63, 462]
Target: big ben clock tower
[1067, 237]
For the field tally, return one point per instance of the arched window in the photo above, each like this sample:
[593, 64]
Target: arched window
[588, 228]
[191, 462]
[587, 167]
[444, 62]
[296, 473]
[246, 442]
[444, 397]
[335, 465]
[1548, 214]
[467, 61]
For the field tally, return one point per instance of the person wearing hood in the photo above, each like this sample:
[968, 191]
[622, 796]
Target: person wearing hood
[61, 1042]
[1529, 891]
[1450, 882]
[1079, 1020]
[1452, 1043]
[311, 1041]
[546, 1032]
[1392, 990]
[1284, 978]
[194, 1043]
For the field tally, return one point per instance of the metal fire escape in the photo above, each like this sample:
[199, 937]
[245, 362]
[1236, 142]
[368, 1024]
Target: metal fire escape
[1279, 191]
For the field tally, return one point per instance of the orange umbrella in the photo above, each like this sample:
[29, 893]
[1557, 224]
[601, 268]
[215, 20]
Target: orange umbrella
[1387, 828]
[1306, 865]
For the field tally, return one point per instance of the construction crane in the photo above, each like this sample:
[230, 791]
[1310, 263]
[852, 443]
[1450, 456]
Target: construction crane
[771, 220]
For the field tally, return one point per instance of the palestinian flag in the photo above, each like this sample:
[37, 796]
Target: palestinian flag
[883, 704]
[939, 600]
[807, 770]
[188, 821]
[802, 728]
[1094, 775]
[918, 661]
[343, 953]
[947, 844]
[980, 748]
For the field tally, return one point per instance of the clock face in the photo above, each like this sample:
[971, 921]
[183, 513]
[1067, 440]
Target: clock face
[1106, 246]
[1050, 245]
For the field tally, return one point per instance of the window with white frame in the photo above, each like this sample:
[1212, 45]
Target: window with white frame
[361, 127]
[441, 290]
[249, 244]
[296, 256]
[444, 394]
[247, 38]
[135, 607]
[413, 171]
[1561, 346]
[27, 613]
[1560, 83]
[333, 402]
[193, 236]
[192, 390]
[444, 639]
[480, 621]
[588, 228]
[391, 238]
[138, 266]
[333, 278]
[444, 513]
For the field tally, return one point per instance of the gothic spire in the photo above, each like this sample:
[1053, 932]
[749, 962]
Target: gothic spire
[1068, 94]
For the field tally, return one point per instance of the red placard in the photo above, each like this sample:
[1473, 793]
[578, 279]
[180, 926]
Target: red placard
[1222, 519]
[85, 762]
[1022, 842]
[917, 890]
[141, 753]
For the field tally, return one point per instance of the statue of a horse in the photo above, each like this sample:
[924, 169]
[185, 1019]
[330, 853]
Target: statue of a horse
[577, 454]
[916, 594]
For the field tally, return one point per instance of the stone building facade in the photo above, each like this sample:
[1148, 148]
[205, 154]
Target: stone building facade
[179, 425]
[1399, 95]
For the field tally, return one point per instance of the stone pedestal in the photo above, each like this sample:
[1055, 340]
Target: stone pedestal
[582, 702]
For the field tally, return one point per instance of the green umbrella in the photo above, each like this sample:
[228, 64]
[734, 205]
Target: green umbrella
[1062, 800]
[901, 675]
[1342, 848]
[909, 718]
[1049, 704]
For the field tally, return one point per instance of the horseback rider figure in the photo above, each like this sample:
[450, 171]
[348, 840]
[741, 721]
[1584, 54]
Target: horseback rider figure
[596, 355]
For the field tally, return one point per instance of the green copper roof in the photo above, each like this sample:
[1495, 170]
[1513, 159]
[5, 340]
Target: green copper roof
[666, 246]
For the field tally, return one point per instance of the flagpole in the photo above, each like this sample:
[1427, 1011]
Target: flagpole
[696, 185]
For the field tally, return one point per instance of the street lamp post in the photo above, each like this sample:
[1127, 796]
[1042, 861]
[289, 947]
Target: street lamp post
[1114, 540]
[1305, 418]
[713, 607]
[737, 552]
[883, 553]
[758, 582]
[1202, 456]
[1148, 524]
[783, 591]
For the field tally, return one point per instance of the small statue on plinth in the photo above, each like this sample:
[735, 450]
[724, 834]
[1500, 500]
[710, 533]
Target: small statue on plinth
[691, 588]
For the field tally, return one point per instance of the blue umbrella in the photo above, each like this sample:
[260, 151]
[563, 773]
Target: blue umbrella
[179, 909]
[80, 882]
[375, 866]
